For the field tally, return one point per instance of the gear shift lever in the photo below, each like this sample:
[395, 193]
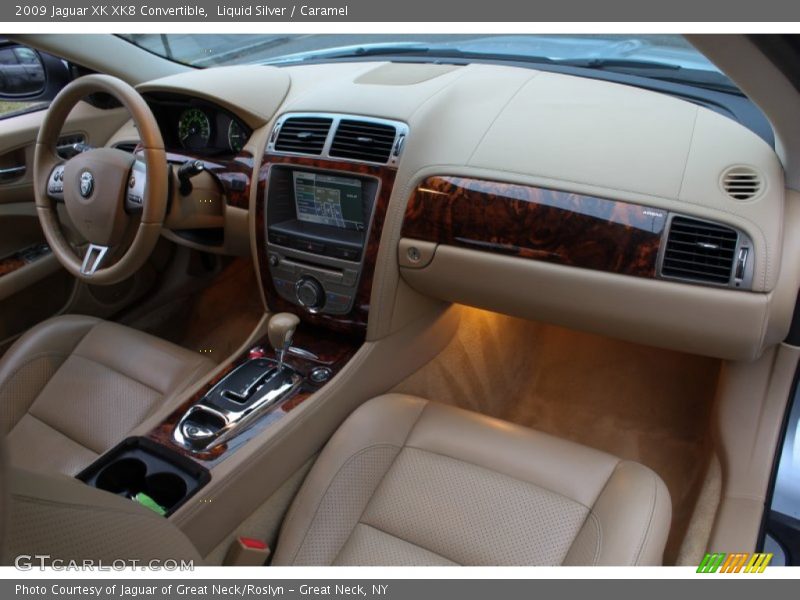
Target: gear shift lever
[280, 331]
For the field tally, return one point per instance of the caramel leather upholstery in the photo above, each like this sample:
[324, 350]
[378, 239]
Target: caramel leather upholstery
[402, 482]
[409, 482]
[74, 386]
[67, 520]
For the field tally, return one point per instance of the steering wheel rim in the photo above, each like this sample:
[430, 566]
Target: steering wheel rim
[101, 172]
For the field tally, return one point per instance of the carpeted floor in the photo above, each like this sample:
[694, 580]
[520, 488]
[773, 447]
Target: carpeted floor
[215, 321]
[637, 402]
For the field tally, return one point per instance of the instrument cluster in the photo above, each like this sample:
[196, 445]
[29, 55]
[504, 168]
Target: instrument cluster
[198, 127]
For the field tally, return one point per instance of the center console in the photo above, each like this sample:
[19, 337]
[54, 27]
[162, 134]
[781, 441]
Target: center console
[317, 227]
[324, 188]
[318, 224]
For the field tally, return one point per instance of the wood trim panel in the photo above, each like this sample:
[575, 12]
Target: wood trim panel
[537, 223]
[333, 351]
[355, 322]
[9, 264]
[23, 257]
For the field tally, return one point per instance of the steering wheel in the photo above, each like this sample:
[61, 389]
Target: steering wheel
[105, 190]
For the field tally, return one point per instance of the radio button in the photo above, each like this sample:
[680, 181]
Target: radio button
[349, 277]
[337, 302]
[347, 253]
[279, 239]
[285, 288]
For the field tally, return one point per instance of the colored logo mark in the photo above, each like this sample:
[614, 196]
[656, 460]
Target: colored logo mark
[738, 562]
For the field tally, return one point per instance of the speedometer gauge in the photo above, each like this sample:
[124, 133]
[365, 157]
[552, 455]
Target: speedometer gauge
[237, 137]
[194, 129]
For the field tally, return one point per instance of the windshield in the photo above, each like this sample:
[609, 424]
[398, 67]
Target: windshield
[644, 55]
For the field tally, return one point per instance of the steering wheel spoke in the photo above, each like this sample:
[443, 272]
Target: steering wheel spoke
[134, 197]
[93, 259]
[55, 183]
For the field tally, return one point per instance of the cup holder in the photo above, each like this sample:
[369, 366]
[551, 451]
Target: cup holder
[165, 488]
[138, 467]
[125, 476]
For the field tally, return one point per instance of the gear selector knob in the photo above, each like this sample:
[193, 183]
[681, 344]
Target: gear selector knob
[280, 331]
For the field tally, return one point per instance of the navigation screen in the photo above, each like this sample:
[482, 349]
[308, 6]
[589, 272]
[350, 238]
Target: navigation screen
[329, 200]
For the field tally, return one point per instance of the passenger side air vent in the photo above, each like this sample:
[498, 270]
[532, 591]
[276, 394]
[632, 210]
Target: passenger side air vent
[700, 251]
[742, 183]
[363, 140]
[303, 135]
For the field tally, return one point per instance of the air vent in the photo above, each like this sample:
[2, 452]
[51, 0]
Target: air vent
[303, 135]
[363, 140]
[699, 251]
[742, 183]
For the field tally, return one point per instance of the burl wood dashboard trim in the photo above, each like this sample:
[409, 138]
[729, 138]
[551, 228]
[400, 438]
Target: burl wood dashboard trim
[354, 322]
[332, 351]
[536, 223]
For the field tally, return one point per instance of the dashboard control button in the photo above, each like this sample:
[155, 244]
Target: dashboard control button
[310, 294]
[285, 287]
[280, 239]
[308, 246]
[320, 374]
[337, 302]
[348, 253]
[349, 277]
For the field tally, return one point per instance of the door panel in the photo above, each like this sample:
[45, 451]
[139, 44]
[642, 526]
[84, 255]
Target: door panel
[33, 285]
[18, 137]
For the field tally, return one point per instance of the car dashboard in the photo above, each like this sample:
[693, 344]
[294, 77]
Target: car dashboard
[368, 192]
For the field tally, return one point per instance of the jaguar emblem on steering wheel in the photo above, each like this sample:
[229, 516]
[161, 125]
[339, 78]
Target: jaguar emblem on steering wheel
[87, 184]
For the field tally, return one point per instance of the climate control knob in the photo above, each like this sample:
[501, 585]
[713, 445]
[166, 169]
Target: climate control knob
[310, 294]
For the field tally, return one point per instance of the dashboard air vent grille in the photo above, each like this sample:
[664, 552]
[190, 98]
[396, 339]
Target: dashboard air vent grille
[363, 140]
[742, 183]
[303, 135]
[699, 251]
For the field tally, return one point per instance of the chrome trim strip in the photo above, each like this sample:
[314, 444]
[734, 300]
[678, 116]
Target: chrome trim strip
[92, 259]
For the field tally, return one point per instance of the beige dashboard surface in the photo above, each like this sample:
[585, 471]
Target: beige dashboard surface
[549, 130]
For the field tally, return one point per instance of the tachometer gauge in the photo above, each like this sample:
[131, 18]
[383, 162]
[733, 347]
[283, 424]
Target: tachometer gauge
[194, 129]
[237, 137]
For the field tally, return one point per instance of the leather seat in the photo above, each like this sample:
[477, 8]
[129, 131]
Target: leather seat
[405, 481]
[74, 386]
[402, 482]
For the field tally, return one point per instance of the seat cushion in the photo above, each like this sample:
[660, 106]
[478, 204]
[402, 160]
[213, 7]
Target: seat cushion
[406, 481]
[74, 386]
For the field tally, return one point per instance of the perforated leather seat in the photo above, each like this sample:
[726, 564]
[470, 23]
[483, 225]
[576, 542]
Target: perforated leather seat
[409, 482]
[74, 386]
[402, 482]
